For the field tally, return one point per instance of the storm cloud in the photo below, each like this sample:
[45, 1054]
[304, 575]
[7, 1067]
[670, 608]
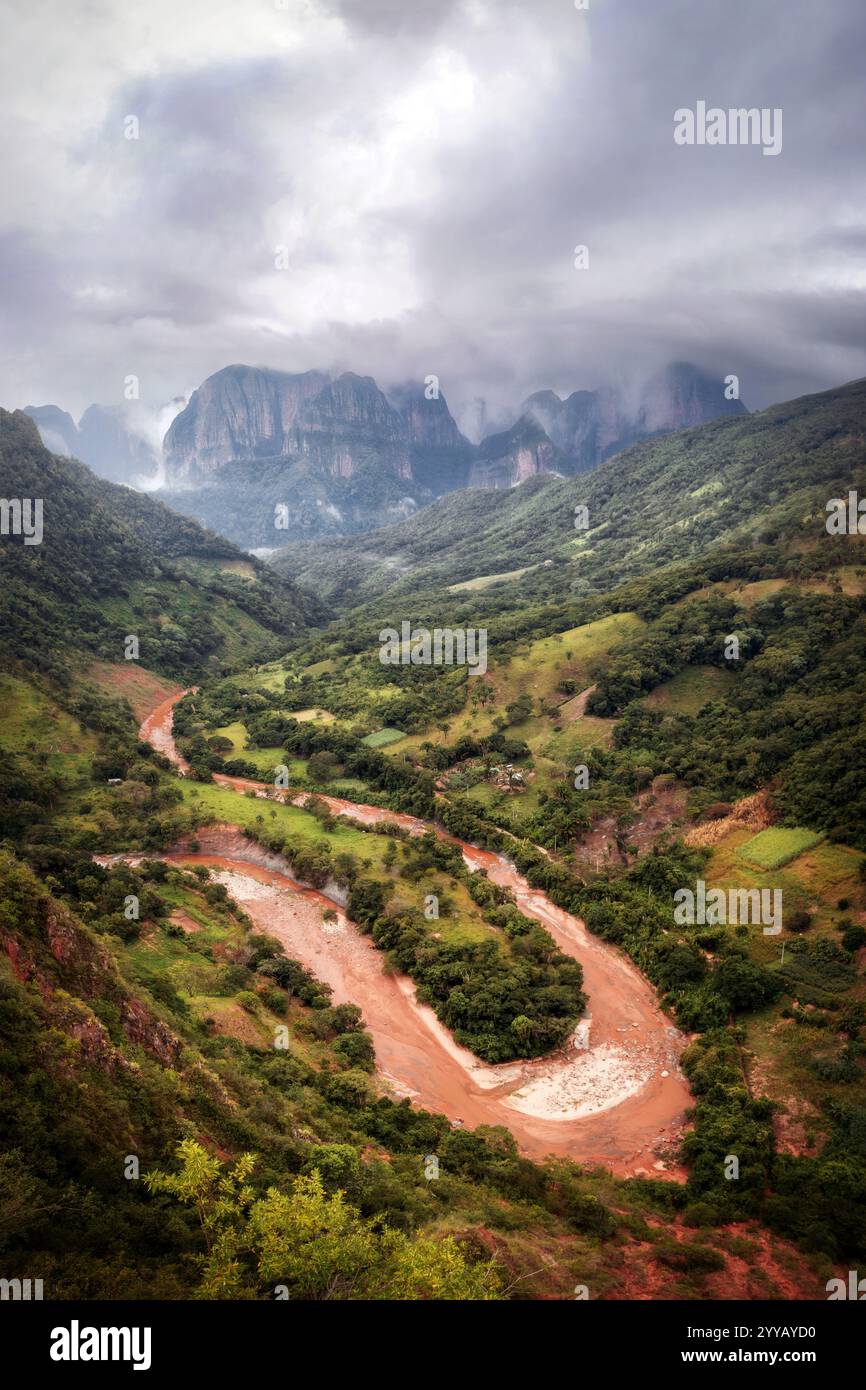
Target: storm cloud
[424, 172]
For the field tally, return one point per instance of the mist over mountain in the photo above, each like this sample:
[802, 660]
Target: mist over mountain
[312, 455]
[726, 482]
[589, 426]
[103, 439]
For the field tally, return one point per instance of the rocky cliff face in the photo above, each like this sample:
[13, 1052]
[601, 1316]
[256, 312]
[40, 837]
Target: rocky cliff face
[326, 456]
[506, 459]
[348, 418]
[245, 413]
[427, 418]
[238, 413]
[440, 455]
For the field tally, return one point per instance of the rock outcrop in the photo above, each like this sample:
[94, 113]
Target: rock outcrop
[506, 459]
[338, 426]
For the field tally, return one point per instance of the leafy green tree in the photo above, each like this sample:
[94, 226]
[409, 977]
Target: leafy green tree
[307, 1243]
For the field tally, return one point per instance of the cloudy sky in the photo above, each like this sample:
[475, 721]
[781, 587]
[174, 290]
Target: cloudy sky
[429, 167]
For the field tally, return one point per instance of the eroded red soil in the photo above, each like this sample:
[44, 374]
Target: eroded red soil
[616, 1097]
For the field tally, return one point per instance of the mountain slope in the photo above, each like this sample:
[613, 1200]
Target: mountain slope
[114, 563]
[658, 502]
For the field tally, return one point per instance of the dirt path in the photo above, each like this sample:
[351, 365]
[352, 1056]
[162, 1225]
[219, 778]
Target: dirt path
[615, 1095]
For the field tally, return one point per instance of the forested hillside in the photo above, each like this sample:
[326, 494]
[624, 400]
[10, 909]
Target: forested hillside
[732, 482]
[113, 563]
[698, 656]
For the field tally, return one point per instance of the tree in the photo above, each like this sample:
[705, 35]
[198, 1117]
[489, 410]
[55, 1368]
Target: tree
[307, 1244]
[744, 985]
[322, 766]
[519, 709]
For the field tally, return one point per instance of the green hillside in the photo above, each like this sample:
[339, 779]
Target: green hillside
[726, 484]
[113, 563]
[609, 653]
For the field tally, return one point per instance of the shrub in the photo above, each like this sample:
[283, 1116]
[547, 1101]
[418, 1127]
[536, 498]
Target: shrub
[799, 921]
[854, 937]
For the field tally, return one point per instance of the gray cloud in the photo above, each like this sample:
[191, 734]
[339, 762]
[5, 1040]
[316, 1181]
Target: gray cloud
[429, 170]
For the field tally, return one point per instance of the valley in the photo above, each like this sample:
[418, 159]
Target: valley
[432, 678]
[451, 901]
[624, 1056]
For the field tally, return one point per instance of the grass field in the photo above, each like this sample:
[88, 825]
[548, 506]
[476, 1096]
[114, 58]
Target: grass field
[851, 578]
[690, 689]
[227, 806]
[382, 737]
[30, 722]
[536, 669]
[466, 923]
[265, 759]
[236, 732]
[484, 581]
[271, 677]
[313, 716]
[202, 566]
[780, 1052]
[773, 848]
[814, 880]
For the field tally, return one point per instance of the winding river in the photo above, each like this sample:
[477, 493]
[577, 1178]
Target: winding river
[614, 1096]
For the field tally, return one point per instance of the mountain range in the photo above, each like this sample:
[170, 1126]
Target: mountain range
[314, 455]
[657, 503]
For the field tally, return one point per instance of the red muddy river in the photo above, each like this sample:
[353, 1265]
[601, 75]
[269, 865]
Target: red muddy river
[615, 1095]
